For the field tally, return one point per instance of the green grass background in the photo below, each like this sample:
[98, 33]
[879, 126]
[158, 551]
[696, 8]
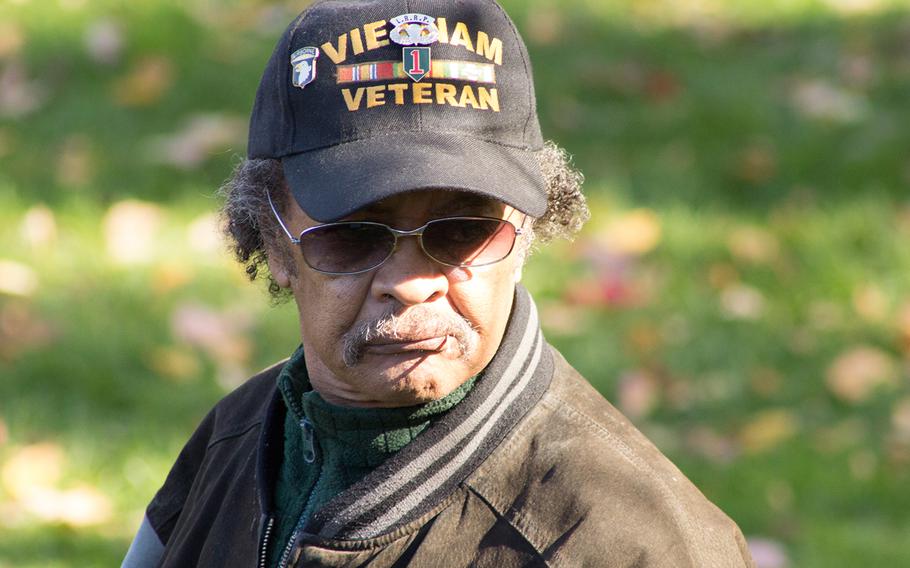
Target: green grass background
[755, 154]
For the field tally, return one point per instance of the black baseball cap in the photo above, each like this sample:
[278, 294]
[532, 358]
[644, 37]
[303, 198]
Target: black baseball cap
[362, 100]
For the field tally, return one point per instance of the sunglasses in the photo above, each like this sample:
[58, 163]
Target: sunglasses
[353, 247]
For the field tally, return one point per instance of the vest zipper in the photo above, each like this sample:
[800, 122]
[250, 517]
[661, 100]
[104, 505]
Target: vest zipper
[264, 548]
[309, 441]
[309, 456]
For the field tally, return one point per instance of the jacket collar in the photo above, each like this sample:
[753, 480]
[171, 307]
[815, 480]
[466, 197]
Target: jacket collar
[418, 478]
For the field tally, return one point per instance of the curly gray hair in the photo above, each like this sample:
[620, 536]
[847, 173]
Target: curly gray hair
[254, 235]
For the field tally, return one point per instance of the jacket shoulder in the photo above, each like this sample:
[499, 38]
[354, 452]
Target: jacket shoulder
[583, 485]
[236, 416]
[245, 406]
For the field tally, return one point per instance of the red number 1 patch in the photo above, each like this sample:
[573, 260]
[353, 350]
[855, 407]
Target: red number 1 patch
[416, 62]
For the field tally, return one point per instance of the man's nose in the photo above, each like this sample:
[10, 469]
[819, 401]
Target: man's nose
[409, 276]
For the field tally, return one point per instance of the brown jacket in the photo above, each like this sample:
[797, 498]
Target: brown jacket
[572, 484]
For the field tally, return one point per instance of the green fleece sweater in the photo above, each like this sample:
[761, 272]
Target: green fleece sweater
[328, 448]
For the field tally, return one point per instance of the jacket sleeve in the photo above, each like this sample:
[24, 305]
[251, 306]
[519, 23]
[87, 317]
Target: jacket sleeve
[146, 549]
[162, 513]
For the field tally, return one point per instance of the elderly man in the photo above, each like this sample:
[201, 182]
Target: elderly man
[395, 181]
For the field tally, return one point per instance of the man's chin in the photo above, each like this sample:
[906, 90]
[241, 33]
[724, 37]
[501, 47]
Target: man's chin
[405, 379]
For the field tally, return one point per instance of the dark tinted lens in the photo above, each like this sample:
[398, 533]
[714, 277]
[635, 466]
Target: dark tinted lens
[346, 247]
[468, 242]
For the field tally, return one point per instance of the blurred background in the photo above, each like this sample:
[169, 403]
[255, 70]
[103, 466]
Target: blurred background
[742, 292]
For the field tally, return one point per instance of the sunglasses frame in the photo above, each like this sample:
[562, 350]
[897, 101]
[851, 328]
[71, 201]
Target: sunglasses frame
[397, 233]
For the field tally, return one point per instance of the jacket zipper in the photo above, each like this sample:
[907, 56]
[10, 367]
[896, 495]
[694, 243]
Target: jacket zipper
[309, 456]
[264, 549]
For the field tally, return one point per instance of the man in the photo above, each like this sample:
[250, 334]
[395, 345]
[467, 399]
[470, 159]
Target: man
[395, 181]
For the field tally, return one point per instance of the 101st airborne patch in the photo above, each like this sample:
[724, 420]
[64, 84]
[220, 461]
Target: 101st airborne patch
[303, 63]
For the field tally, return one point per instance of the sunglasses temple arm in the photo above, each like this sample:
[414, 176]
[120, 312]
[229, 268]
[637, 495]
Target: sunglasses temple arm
[287, 232]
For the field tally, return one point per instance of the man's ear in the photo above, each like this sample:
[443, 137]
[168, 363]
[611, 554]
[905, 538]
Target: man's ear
[279, 270]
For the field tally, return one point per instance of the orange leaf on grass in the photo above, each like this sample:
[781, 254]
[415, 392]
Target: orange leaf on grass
[149, 80]
[855, 374]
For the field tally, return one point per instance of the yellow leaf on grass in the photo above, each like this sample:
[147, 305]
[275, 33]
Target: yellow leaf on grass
[145, 84]
[78, 507]
[753, 245]
[767, 430]
[636, 233]
[130, 230]
[17, 279]
[33, 468]
[870, 303]
[39, 227]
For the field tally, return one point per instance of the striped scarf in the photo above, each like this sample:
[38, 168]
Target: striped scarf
[419, 477]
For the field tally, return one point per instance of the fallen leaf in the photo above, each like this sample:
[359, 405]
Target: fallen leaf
[18, 95]
[33, 468]
[220, 334]
[17, 279]
[662, 86]
[900, 418]
[145, 84]
[638, 393]
[856, 7]
[821, 100]
[81, 506]
[75, 163]
[170, 275]
[39, 227]
[722, 275]
[203, 235]
[767, 553]
[585, 292]
[197, 141]
[21, 330]
[544, 25]
[768, 429]
[742, 302]
[870, 303]
[756, 164]
[753, 245]
[130, 230]
[766, 382]
[174, 363]
[857, 373]
[562, 318]
[903, 327]
[12, 39]
[103, 41]
[858, 70]
[635, 233]
[709, 444]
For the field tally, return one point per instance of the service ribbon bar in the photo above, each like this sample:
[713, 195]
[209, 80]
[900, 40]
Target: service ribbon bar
[468, 71]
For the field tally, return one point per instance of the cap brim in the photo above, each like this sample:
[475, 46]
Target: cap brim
[333, 182]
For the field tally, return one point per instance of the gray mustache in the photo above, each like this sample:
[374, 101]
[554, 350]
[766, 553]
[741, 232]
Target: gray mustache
[418, 322]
